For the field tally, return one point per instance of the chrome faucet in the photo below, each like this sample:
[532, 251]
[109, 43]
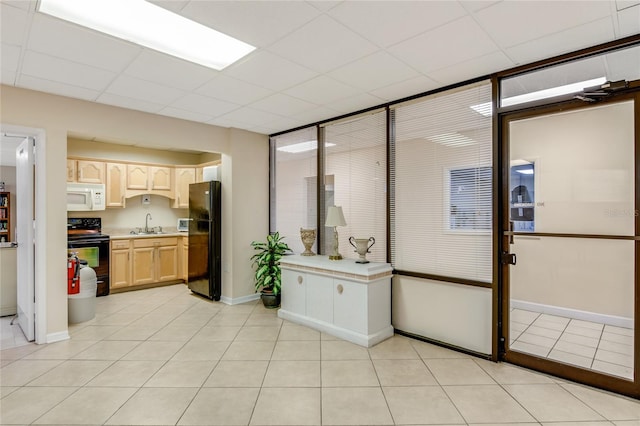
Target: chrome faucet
[146, 223]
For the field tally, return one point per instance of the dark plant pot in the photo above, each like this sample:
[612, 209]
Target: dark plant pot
[270, 300]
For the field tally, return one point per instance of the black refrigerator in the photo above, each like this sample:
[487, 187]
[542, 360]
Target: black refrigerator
[205, 242]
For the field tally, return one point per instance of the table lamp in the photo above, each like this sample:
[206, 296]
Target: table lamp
[335, 218]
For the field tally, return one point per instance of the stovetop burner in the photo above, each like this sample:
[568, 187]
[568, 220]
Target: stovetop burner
[84, 228]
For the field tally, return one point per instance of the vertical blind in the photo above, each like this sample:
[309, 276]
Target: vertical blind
[356, 179]
[294, 185]
[441, 213]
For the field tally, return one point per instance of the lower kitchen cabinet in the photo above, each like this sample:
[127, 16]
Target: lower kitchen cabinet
[143, 261]
[155, 260]
[120, 262]
[184, 259]
[342, 298]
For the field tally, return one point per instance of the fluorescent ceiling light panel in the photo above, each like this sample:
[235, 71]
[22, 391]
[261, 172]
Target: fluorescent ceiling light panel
[452, 139]
[486, 110]
[525, 171]
[303, 147]
[151, 26]
[554, 91]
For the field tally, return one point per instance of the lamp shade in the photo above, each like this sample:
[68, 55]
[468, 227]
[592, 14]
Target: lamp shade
[335, 217]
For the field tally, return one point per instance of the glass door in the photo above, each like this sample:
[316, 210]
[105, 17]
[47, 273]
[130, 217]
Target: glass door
[570, 243]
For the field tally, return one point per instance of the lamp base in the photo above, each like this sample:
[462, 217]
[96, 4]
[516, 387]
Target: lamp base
[335, 257]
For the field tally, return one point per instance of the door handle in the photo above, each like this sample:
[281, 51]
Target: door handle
[509, 258]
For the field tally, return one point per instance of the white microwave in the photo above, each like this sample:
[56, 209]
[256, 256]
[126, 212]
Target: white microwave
[82, 197]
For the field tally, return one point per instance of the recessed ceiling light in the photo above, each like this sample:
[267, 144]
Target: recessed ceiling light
[151, 26]
[303, 147]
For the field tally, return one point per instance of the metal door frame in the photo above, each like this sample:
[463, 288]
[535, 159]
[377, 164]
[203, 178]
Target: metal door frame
[577, 374]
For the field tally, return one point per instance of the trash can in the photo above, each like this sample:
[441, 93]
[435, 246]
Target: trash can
[82, 305]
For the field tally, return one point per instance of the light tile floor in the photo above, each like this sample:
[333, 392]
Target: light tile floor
[585, 344]
[11, 335]
[165, 357]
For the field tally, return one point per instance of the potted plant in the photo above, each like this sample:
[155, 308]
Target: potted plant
[267, 263]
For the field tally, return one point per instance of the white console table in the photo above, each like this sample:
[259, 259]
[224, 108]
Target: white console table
[340, 297]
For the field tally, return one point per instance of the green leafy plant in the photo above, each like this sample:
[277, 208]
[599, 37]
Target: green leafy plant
[267, 263]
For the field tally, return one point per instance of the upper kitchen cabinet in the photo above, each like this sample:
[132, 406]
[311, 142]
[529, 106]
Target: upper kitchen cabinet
[116, 174]
[137, 176]
[160, 178]
[85, 171]
[184, 176]
[152, 179]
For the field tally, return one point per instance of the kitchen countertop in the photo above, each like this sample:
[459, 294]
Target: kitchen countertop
[164, 234]
[123, 234]
[7, 245]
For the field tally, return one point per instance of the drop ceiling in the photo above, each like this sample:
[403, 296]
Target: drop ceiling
[314, 59]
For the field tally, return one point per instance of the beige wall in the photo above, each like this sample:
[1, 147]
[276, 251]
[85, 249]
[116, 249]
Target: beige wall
[61, 117]
[584, 163]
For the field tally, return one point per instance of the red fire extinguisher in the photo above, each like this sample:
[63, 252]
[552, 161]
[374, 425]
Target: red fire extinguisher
[73, 274]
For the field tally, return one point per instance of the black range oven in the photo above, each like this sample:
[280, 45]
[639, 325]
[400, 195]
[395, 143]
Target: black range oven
[85, 237]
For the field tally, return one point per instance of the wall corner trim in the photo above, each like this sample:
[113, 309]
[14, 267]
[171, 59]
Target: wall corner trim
[57, 337]
[238, 300]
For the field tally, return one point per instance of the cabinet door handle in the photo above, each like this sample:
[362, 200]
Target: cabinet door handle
[299, 279]
[340, 288]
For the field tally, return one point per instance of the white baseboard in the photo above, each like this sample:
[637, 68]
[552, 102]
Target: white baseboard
[57, 337]
[573, 313]
[239, 300]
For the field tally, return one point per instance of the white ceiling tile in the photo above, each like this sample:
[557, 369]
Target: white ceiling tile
[56, 88]
[129, 103]
[268, 70]
[388, 22]
[7, 77]
[22, 4]
[63, 71]
[280, 124]
[9, 57]
[515, 22]
[251, 116]
[78, 44]
[258, 23]
[629, 21]
[356, 103]
[624, 4]
[324, 5]
[405, 88]
[388, 70]
[169, 71]
[233, 90]
[185, 115]
[144, 90]
[283, 104]
[321, 90]
[566, 41]
[323, 45]
[476, 67]
[13, 22]
[475, 5]
[317, 114]
[172, 5]
[450, 44]
[204, 105]
[264, 130]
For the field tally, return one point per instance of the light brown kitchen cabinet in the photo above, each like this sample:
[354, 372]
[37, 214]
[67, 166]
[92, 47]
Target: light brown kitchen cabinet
[184, 259]
[184, 176]
[90, 171]
[85, 171]
[137, 176]
[71, 170]
[155, 260]
[160, 178]
[116, 177]
[120, 274]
